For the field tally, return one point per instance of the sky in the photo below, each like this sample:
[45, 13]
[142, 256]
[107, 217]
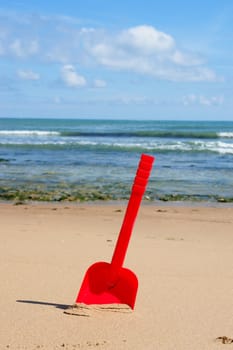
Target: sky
[125, 59]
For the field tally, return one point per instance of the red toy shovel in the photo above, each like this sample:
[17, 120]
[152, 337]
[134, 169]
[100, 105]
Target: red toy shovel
[106, 283]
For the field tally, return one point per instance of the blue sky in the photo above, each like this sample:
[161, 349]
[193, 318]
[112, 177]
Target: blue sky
[117, 59]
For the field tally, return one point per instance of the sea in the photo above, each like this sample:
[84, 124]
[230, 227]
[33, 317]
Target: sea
[96, 160]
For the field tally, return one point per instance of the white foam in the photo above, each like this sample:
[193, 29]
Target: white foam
[217, 146]
[225, 134]
[29, 132]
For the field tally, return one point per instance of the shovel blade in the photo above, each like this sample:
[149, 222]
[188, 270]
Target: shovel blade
[101, 285]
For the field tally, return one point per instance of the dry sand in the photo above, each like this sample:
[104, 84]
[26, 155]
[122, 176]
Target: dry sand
[183, 257]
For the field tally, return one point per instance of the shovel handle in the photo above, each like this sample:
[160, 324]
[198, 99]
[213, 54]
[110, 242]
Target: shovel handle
[137, 192]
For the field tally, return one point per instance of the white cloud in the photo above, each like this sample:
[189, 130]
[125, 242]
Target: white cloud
[16, 48]
[23, 49]
[193, 99]
[188, 74]
[98, 83]
[71, 78]
[146, 39]
[189, 99]
[141, 49]
[28, 75]
[185, 59]
[211, 101]
[145, 50]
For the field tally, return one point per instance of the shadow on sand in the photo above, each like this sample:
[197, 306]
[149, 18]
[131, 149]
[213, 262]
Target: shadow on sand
[44, 303]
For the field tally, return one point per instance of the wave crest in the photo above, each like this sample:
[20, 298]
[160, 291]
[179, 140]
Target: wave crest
[29, 132]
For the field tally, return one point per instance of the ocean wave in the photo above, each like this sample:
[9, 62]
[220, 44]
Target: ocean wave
[217, 147]
[150, 134]
[143, 133]
[198, 146]
[226, 134]
[120, 134]
[28, 133]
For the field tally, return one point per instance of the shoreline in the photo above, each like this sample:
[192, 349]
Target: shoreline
[121, 203]
[102, 192]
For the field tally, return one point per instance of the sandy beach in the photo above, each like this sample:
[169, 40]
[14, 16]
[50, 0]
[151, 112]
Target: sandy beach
[181, 255]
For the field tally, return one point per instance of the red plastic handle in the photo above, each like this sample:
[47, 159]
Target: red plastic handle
[138, 189]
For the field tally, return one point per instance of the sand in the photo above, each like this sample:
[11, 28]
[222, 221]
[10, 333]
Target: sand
[183, 257]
